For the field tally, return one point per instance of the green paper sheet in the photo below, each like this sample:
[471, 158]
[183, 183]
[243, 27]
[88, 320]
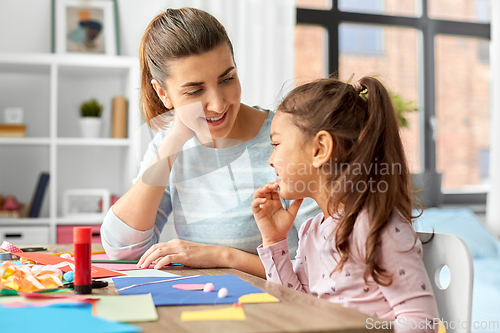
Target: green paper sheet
[133, 308]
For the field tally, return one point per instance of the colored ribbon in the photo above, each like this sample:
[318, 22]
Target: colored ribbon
[10, 248]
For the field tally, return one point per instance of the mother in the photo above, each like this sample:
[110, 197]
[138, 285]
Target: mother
[206, 165]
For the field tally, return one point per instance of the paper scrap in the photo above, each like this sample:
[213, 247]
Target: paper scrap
[74, 317]
[231, 313]
[127, 309]
[142, 273]
[187, 286]
[50, 259]
[258, 298]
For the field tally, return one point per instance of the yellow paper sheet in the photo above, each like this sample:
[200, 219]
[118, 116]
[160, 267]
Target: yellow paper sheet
[232, 313]
[257, 298]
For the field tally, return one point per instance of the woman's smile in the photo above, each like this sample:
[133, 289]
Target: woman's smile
[216, 121]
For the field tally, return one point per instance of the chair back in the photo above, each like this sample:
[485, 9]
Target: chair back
[455, 301]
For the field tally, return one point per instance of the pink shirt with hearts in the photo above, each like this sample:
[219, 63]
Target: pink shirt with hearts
[407, 302]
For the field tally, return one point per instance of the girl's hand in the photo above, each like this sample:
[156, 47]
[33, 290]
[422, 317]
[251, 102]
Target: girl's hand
[273, 220]
[182, 252]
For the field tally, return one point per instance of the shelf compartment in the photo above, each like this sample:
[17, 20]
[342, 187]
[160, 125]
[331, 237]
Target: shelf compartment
[14, 88]
[21, 170]
[79, 84]
[90, 167]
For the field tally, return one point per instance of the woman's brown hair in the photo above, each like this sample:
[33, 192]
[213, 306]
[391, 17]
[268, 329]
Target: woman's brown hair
[174, 34]
[364, 127]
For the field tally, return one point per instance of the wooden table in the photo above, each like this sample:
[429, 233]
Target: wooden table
[297, 311]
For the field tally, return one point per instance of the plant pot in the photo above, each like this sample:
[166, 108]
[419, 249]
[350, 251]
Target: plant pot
[90, 127]
[428, 187]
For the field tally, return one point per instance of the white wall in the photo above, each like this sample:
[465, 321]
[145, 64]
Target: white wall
[25, 26]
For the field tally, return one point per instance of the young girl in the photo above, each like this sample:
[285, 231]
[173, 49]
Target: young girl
[339, 144]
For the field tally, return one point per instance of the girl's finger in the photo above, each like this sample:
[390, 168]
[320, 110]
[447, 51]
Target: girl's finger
[257, 202]
[294, 207]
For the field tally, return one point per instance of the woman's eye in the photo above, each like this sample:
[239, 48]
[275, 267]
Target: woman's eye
[193, 92]
[227, 80]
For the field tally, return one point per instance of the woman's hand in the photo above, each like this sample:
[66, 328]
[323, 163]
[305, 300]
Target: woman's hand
[191, 119]
[182, 252]
[273, 220]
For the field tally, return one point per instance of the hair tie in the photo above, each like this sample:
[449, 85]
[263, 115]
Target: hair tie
[358, 87]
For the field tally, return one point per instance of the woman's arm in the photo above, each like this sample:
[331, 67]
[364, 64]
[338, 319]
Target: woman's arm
[199, 255]
[138, 206]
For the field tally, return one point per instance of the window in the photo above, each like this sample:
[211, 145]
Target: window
[361, 39]
[432, 52]
[462, 112]
[310, 53]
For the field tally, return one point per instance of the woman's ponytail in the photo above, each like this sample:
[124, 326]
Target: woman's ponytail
[150, 103]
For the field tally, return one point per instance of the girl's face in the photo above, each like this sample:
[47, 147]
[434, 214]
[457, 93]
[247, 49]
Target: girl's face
[292, 159]
[210, 79]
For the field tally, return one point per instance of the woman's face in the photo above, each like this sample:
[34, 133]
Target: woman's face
[209, 79]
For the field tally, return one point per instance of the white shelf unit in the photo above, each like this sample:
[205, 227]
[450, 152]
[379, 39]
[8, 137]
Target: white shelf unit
[50, 87]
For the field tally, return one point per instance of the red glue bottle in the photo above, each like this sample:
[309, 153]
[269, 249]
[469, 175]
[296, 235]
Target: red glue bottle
[82, 248]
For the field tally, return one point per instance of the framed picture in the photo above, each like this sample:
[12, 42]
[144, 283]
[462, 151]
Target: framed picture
[85, 27]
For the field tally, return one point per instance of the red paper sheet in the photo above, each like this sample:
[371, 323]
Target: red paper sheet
[50, 259]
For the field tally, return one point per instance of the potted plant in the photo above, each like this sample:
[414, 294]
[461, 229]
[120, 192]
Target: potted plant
[427, 182]
[90, 118]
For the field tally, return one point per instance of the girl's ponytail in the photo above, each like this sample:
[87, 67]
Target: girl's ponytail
[381, 139]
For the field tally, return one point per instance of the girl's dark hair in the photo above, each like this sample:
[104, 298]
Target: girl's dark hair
[171, 35]
[365, 131]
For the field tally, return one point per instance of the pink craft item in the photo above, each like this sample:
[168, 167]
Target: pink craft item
[11, 204]
[189, 286]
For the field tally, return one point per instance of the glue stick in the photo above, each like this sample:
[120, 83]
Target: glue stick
[82, 249]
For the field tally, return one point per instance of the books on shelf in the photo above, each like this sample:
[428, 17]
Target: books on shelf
[36, 201]
[12, 131]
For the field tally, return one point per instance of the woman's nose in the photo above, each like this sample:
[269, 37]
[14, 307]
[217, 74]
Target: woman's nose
[216, 102]
[270, 160]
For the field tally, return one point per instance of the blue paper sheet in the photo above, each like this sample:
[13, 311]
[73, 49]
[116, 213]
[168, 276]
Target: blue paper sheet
[64, 317]
[164, 294]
